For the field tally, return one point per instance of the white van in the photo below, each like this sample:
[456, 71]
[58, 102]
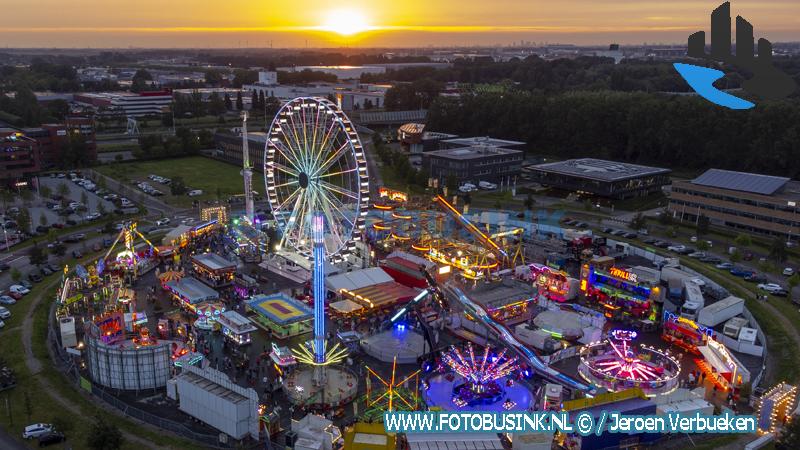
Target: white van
[195, 193]
[36, 430]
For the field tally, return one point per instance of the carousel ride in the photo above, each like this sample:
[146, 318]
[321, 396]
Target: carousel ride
[616, 365]
[432, 235]
[484, 381]
[317, 184]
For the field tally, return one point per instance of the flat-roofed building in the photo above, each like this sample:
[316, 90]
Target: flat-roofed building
[763, 204]
[484, 141]
[601, 178]
[476, 163]
[19, 158]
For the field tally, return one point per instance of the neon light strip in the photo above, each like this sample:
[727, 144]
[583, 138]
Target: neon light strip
[318, 227]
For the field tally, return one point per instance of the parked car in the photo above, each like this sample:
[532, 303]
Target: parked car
[19, 289]
[698, 255]
[36, 430]
[35, 277]
[162, 222]
[739, 272]
[788, 271]
[93, 216]
[71, 222]
[676, 248]
[7, 300]
[4, 266]
[195, 193]
[53, 437]
[14, 295]
[756, 278]
[780, 293]
[711, 260]
[42, 229]
[77, 254]
[58, 225]
[4, 313]
[630, 235]
[724, 266]
[46, 270]
[769, 286]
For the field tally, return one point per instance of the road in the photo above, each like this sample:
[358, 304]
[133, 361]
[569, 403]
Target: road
[7, 442]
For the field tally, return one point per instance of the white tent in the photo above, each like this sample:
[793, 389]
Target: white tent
[346, 306]
[357, 279]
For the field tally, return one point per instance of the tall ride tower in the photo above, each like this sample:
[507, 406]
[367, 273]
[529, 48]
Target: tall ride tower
[247, 172]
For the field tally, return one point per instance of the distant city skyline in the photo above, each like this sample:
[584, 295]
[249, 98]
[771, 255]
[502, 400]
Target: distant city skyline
[375, 23]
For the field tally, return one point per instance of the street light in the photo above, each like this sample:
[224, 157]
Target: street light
[5, 235]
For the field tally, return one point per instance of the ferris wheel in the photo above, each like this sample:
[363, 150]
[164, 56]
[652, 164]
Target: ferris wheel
[314, 163]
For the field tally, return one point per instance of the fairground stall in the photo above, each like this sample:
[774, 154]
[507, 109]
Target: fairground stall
[281, 315]
[191, 293]
[685, 333]
[244, 285]
[208, 314]
[553, 284]
[235, 327]
[721, 367]
[213, 270]
[619, 292]
[371, 288]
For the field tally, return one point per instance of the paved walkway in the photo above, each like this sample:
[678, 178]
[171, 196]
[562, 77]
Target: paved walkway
[35, 366]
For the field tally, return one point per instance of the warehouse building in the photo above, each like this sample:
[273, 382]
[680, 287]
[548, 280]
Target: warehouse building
[601, 178]
[758, 203]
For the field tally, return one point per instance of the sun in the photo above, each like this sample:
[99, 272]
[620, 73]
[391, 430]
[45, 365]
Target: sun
[346, 22]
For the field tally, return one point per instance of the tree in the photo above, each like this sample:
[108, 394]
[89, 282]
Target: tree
[28, 405]
[262, 102]
[790, 436]
[37, 255]
[228, 102]
[743, 240]
[529, 202]
[703, 245]
[239, 102]
[45, 191]
[84, 197]
[216, 105]
[638, 222]
[777, 250]
[24, 220]
[52, 235]
[451, 183]
[101, 209]
[62, 189]
[255, 107]
[665, 218]
[793, 281]
[736, 256]
[213, 77]
[177, 187]
[104, 435]
[16, 275]
[271, 106]
[42, 219]
[702, 225]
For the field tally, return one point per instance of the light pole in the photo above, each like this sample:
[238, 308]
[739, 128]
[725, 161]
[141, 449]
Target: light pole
[5, 235]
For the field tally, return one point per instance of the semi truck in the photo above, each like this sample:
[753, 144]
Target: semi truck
[716, 313]
[693, 300]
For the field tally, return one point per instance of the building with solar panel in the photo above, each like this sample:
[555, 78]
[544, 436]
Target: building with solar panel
[601, 178]
[758, 203]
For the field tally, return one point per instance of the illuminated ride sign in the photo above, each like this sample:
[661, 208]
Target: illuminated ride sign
[623, 335]
[624, 275]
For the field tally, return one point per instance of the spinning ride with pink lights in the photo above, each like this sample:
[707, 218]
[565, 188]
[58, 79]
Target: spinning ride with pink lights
[616, 364]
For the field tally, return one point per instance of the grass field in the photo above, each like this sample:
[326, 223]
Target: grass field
[197, 172]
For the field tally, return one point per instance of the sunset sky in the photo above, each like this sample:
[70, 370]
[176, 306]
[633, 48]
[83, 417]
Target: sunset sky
[373, 23]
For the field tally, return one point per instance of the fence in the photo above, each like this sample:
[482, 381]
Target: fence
[63, 362]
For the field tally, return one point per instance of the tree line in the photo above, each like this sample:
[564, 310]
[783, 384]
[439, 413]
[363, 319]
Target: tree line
[659, 129]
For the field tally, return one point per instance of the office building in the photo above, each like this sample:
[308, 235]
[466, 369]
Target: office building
[476, 163]
[128, 104]
[758, 203]
[601, 178]
[19, 158]
[228, 147]
[52, 139]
